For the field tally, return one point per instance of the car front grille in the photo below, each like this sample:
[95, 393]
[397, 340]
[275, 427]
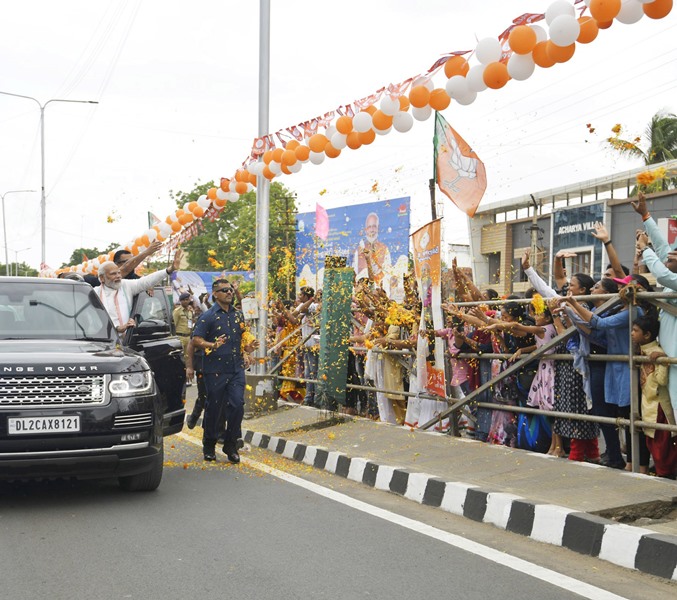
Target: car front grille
[138, 420]
[48, 390]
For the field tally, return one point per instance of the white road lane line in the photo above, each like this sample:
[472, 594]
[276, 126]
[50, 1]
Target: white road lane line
[523, 566]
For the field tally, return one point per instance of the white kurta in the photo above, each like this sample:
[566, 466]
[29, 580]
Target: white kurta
[118, 303]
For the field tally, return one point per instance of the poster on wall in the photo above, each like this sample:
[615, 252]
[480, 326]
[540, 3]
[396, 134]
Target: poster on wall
[428, 269]
[199, 282]
[572, 229]
[378, 229]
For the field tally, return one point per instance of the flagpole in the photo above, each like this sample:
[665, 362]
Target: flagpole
[431, 182]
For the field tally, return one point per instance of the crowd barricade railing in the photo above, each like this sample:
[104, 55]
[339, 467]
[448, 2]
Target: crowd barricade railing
[634, 423]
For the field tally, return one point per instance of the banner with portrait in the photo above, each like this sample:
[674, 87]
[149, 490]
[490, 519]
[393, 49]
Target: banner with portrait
[377, 229]
[428, 270]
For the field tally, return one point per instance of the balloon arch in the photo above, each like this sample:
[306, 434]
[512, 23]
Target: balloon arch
[514, 54]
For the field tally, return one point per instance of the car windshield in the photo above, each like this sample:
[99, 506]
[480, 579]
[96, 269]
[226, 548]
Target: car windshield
[37, 309]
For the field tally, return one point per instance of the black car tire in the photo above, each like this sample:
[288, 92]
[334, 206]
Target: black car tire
[144, 482]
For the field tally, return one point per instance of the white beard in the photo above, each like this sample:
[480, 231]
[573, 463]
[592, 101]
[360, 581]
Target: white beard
[114, 285]
[372, 238]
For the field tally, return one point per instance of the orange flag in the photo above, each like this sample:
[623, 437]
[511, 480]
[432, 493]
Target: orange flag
[460, 173]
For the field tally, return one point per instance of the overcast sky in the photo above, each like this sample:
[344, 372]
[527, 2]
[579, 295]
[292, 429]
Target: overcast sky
[177, 87]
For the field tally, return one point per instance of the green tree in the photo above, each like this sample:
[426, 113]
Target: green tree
[23, 269]
[79, 254]
[231, 238]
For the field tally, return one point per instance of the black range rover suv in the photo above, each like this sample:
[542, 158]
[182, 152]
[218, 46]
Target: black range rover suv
[75, 399]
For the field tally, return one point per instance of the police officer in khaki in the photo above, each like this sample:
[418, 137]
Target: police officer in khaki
[184, 318]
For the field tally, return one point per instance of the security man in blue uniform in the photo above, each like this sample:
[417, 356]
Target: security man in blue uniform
[219, 333]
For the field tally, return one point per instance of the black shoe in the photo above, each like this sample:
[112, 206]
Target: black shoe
[191, 421]
[240, 444]
[210, 456]
[233, 457]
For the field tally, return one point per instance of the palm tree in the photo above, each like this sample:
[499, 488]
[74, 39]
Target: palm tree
[660, 139]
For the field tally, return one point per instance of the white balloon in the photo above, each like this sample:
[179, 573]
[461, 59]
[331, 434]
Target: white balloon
[488, 50]
[317, 158]
[421, 114]
[203, 197]
[165, 229]
[220, 194]
[296, 167]
[330, 131]
[361, 122]
[457, 86]
[424, 81]
[275, 167]
[631, 12]
[564, 30]
[152, 236]
[383, 131]
[389, 106]
[233, 197]
[475, 79]
[557, 8]
[403, 121]
[521, 66]
[541, 35]
[338, 140]
[250, 186]
[469, 98]
[257, 167]
[640, 1]
[232, 184]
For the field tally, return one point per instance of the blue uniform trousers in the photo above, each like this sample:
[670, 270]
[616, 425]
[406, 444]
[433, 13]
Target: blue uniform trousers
[225, 404]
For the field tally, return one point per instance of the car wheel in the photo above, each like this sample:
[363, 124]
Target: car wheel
[145, 482]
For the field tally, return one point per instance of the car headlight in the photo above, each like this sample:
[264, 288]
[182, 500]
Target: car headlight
[131, 384]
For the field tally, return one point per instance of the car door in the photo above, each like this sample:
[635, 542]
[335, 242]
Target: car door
[154, 337]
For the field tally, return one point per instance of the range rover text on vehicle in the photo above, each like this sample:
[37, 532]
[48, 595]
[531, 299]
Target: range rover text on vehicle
[75, 401]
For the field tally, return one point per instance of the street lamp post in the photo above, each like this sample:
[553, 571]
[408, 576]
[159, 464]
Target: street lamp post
[43, 203]
[4, 224]
[16, 260]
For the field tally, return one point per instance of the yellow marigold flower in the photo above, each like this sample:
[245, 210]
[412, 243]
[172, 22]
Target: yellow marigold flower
[616, 128]
[538, 303]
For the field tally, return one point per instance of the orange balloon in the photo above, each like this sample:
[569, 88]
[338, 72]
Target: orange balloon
[330, 151]
[176, 226]
[381, 121]
[277, 154]
[522, 39]
[560, 54]
[317, 142]
[404, 103]
[268, 174]
[198, 212]
[302, 152]
[225, 185]
[211, 193]
[604, 24]
[541, 56]
[252, 178]
[367, 137]
[134, 249]
[179, 212]
[289, 157]
[353, 140]
[496, 75]
[419, 96]
[456, 65]
[185, 219]
[111, 255]
[657, 9]
[604, 10]
[169, 220]
[220, 203]
[589, 30]
[439, 99]
[267, 157]
[371, 109]
[292, 145]
[241, 187]
[145, 241]
[344, 125]
[285, 169]
[191, 206]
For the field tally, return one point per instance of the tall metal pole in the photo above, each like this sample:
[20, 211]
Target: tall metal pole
[43, 197]
[263, 188]
[4, 225]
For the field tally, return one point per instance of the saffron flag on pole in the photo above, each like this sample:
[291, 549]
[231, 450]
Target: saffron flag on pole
[459, 172]
[321, 222]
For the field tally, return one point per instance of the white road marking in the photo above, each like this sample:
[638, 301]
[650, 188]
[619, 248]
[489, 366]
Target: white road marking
[522, 566]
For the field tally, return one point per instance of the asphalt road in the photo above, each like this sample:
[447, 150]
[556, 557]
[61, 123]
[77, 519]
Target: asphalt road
[215, 531]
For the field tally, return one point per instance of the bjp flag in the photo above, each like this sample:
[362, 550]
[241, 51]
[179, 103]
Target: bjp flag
[460, 173]
[321, 222]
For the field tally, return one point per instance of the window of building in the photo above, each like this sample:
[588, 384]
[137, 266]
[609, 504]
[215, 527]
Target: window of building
[494, 267]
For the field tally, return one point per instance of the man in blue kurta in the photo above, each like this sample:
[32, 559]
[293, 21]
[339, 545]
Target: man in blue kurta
[219, 333]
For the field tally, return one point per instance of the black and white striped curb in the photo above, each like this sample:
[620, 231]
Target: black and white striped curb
[624, 545]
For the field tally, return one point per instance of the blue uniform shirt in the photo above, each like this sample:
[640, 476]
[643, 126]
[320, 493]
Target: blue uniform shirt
[217, 322]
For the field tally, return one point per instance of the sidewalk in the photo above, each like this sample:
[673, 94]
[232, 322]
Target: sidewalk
[552, 500]
[625, 518]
